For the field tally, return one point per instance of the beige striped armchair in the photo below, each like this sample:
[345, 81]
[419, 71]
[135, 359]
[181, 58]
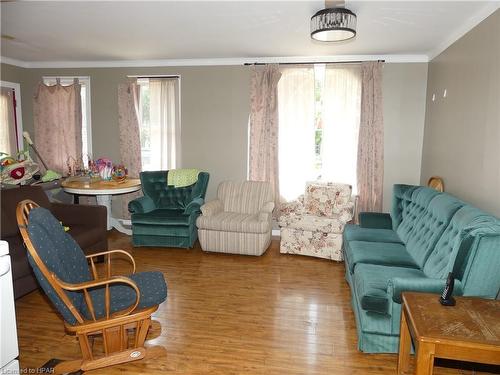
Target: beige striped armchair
[239, 221]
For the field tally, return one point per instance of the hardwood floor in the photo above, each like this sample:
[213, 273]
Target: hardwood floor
[228, 314]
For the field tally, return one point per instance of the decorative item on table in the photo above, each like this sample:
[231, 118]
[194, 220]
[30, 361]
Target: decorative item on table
[75, 166]
[119, 173]
[105, 167]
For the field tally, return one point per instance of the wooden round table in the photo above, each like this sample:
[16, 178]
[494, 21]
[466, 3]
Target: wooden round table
[103, 191]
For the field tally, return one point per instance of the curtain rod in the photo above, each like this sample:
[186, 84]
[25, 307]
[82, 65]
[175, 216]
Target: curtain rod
[154, 76]
[313, 62]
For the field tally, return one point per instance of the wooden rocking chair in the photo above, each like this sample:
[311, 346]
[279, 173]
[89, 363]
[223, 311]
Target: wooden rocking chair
[110, 307]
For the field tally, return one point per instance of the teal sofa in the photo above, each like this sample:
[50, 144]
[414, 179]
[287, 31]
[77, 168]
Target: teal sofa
[166, 215]
[427, 235]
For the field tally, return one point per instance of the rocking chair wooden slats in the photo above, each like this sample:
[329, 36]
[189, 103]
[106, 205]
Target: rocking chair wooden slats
[80, 303]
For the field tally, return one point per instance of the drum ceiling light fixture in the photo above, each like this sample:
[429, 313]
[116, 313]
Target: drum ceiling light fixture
[333, 24]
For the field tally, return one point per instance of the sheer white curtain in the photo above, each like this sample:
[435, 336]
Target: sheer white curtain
[296, 130]
[165, 124]
[8, 139]
[341, 115]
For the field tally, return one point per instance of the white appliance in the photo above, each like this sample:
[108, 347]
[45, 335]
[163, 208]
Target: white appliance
[9, 349]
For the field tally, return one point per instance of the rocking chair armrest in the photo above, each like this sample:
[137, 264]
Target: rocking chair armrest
[108, 253]
[106, 283]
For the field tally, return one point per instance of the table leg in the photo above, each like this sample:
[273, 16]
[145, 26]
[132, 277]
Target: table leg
[404, 346]
[105, 200]
[424, 362]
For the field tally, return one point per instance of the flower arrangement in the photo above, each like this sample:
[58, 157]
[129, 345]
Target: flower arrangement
[104, 169]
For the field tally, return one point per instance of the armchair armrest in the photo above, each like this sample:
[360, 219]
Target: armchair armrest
[141, 205]
[71, 214]
[103, 283]
[398, 285]
[194, 206]
[211, 208]
[265, 211]
[293, 207]
[108, 261]
[376, 220]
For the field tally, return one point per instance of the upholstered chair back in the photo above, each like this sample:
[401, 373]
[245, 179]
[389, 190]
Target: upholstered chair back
[154, 185]
[246, 197]
[61, 255]
[326, 198]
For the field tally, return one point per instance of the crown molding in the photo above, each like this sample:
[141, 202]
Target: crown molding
[15, 62]
[211, 61]
[465, 27]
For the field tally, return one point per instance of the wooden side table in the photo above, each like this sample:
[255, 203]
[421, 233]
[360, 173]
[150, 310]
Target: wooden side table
[469, 331]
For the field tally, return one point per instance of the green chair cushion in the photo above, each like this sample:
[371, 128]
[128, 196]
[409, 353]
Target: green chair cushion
[162, 217]
[383, 253]
[354, 232]
[371, 281]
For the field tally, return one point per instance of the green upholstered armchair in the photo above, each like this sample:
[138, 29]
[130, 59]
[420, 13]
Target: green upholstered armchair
[166, 215]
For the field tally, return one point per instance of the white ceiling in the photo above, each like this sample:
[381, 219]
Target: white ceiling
[93, 33]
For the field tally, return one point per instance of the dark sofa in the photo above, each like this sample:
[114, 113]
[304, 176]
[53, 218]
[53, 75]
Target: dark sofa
[87, 226]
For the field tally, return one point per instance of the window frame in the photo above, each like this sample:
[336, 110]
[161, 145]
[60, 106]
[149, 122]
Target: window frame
[19, 116]
[68, 80]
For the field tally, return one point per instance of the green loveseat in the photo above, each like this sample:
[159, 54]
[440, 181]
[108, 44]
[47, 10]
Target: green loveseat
[427, 235]
[166, 215]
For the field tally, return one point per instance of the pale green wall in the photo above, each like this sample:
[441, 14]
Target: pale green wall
[215, 107]
[214, 112]
[462, 131]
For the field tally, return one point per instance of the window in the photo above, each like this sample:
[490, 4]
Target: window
[86, 118]
[11, 127]
[159, 122]
[319, 110]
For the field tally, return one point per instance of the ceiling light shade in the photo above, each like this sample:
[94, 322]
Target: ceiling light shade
[333, 25]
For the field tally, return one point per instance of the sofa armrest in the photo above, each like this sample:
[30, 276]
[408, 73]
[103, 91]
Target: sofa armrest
[141, 205]
[376, 220]
[211, 208]
[194, 206]
[398, 285]
[71, 214]
[265, 213]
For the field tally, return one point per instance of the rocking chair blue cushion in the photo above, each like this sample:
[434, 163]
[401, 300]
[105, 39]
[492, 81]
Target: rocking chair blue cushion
[61, 255]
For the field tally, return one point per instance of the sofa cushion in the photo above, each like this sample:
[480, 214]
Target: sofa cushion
[383, 253]
[414, 203]
[163, 217]
[430, 226]
[354, 232]
[85, 236]
[401, 198]
[233, 222]
[455, 243]
[312, 223]
[370, 281]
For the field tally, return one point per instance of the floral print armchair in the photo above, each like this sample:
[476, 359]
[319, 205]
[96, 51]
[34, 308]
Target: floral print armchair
[313, 224]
